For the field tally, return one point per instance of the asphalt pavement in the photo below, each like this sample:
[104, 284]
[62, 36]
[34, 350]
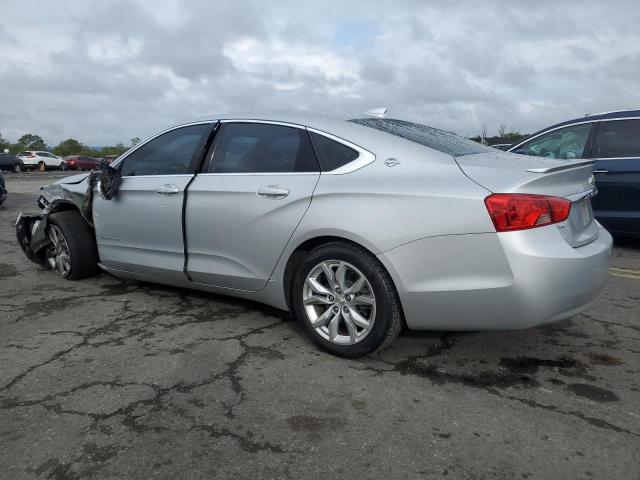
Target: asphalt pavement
[102, 379]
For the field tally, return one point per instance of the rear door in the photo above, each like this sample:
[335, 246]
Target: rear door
[255, 187]
[140, 229]
[617, 151]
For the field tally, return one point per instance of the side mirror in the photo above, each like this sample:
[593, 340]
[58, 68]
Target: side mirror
[107, 179]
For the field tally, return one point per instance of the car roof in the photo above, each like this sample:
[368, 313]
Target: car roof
[333, 124]
[597, 116]
[319, 121]
[590, 117]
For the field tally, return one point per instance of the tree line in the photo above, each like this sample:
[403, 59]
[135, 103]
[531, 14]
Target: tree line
[70, 146]
[505, 135]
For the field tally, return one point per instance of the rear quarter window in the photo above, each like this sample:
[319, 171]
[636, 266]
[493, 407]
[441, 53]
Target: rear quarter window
[331, 154]
[445, 142]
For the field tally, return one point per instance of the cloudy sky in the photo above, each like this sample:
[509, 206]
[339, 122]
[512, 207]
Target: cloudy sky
[106, 71]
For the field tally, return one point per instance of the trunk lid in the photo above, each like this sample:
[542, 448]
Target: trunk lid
[510, 173]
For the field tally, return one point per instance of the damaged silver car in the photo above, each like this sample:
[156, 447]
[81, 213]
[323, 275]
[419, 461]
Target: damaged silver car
[357, 226]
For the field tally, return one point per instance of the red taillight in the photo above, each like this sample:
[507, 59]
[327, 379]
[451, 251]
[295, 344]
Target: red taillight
[520, 211]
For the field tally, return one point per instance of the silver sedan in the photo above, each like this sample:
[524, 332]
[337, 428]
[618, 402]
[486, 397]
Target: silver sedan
[359, 227]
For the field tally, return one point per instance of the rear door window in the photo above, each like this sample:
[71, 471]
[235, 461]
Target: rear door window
[262, 148]
[565, 143]
[618, 139]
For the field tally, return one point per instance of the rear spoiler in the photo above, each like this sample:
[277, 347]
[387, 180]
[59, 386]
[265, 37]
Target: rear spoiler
[566, 166]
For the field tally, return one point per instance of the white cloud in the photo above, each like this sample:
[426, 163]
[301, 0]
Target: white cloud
[105, 72]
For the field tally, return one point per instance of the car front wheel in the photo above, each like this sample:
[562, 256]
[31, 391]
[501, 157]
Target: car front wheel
[345, 300]
[63, 166]
[17, 168]
[72, 254]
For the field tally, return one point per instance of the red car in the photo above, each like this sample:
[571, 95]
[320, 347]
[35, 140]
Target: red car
[80, 162]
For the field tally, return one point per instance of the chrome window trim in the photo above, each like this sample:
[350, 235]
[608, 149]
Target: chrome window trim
[124, 156]
[571, 125]
[268, 122]
[159, 176]
[364, 158]
[617, 119]
[256, 174]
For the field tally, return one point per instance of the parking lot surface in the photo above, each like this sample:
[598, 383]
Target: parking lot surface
[102, 379]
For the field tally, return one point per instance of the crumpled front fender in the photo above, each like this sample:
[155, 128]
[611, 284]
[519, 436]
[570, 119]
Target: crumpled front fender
[31, 232]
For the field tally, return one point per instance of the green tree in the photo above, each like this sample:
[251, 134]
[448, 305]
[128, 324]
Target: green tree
[70, 146]
[29, 141]
[117, 149]
[4, 143]
[135, 141]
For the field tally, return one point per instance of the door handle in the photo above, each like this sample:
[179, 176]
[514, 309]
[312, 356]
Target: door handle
[273, 191]
[601, 171]
[167, 189]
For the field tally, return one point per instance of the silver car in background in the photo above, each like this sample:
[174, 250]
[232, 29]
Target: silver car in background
[356, 226]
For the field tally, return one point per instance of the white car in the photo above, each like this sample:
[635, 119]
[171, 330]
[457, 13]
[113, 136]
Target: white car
[38, 159]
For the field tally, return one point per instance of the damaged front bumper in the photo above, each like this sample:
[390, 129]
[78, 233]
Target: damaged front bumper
[31, 232]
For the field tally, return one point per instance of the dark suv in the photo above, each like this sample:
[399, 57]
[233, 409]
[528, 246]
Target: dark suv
[10, 162]
[613, 141]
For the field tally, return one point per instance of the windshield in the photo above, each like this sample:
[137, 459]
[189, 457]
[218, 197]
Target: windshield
[445, 142]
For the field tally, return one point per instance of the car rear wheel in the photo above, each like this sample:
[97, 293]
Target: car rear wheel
[345, 300]
[72, 254]
[17, 168]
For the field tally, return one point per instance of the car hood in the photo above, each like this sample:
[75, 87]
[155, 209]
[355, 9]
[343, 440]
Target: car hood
[73, 179]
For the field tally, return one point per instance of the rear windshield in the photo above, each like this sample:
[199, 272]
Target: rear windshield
[445, 142]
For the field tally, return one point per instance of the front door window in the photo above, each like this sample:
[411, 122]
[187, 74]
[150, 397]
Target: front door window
[566, 143]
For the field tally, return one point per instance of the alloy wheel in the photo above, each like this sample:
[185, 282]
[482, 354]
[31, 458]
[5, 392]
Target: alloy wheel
[58, 253]
[339, 302]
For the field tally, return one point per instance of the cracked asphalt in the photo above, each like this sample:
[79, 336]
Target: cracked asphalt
[101, 379]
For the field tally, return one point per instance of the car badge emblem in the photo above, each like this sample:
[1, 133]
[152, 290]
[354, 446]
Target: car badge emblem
[391, 162]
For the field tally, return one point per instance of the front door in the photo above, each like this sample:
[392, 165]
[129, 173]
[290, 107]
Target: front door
[140, 229]
[256, 185]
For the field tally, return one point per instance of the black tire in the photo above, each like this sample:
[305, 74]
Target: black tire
[388, 318]
[42, 167]
[81, 241]
[17, 167]
[63, 166]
